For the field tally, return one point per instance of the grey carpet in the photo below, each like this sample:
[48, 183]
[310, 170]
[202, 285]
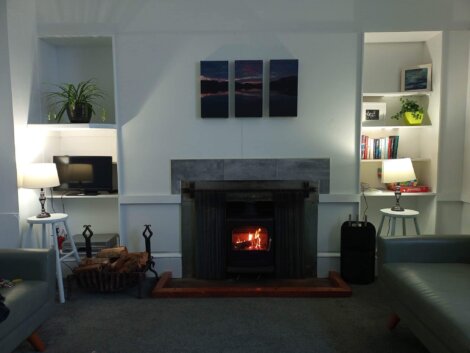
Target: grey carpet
[122, 323]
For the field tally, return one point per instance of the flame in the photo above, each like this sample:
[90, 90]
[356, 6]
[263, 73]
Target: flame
[256, 240]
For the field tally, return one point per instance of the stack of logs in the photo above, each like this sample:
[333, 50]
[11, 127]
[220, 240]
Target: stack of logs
[111, 269]
[114, 260]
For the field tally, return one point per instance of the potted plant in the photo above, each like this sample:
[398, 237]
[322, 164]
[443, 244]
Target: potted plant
[411, 111]
[77, 100]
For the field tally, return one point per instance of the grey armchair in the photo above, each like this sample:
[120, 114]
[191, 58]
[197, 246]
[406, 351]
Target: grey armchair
[31, 301]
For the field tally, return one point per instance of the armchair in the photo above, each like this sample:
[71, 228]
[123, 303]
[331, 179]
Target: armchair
[31, 301]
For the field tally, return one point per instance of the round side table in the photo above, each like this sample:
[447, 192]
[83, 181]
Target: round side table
[54, 219]
[393, 215]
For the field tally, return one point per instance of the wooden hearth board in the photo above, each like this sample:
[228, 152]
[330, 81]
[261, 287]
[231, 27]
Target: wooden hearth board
[334, 286]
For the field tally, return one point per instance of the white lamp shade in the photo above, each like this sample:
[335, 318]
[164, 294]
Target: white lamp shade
[397, 170]
[40, 175]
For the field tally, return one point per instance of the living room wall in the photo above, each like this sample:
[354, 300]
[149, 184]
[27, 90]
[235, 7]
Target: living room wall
[9, 204]
[157, 49]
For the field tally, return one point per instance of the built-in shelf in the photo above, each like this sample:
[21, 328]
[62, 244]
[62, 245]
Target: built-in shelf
[93, 197]
[382, 193]
[380, 160]
[397, 94]
[389, 123]
[62, 127]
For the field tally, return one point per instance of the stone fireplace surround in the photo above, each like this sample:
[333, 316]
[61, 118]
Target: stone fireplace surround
[272, 174]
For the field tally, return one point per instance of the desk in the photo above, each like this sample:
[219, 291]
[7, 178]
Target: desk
[393, 215]
[54, 219]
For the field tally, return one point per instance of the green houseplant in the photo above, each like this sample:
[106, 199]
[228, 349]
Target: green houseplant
[77, 100]
[411, 111]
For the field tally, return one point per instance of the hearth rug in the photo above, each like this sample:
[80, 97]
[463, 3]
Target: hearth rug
[333, 286]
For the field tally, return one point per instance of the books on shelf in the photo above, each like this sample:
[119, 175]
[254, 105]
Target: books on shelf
[379, 148]
[413, 187]
[419, 188]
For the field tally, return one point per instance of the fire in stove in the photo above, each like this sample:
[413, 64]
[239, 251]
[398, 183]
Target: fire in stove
[250, 238]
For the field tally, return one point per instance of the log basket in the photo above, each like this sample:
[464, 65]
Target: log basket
[108, 282]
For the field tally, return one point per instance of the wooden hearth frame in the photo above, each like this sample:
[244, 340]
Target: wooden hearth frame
[338, 288]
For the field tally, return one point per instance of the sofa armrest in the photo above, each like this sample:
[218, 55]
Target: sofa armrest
[428, 248]
[28, 264]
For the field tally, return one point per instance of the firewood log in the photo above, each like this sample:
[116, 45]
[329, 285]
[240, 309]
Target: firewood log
[111, 253]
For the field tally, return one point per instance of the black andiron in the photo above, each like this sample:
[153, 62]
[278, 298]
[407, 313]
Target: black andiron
[147, 234]
[87, 234]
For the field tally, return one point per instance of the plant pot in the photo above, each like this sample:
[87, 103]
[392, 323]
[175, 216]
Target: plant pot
[81, 114]
[411, 119]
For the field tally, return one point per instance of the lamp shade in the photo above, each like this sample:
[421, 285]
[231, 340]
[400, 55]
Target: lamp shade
[40, 175]
[397, 170]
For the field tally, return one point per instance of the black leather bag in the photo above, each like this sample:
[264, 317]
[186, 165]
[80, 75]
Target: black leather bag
[358, 252]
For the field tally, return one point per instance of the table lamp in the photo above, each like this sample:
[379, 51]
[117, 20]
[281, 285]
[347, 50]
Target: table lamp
[396, 171]
[40, 176]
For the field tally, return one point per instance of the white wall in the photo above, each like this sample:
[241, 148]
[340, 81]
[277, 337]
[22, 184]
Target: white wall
[158, 45]
[465, 227]
[8, 190]
[451, 178]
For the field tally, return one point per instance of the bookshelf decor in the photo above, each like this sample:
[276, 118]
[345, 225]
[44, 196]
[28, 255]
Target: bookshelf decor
[373, 111]
[417, 78]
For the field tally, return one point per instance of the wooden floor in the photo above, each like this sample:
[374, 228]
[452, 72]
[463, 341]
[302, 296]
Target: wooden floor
[333, 286]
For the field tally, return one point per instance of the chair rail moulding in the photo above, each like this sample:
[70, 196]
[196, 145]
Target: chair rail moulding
[150, 199]
[339, 198]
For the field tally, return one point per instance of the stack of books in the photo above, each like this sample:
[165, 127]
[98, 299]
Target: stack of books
[379, 148]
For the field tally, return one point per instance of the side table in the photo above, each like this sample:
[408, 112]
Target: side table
[54, 219]
[393, 215]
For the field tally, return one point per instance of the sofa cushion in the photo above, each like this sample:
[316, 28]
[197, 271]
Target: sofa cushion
[23, 300]
[437, 293]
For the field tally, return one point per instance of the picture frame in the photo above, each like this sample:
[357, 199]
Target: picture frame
[373, 111]
[283, 87]
[214, 85]
[248, 88]
[416, 78]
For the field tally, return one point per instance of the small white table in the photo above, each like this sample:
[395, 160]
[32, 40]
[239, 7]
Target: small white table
[393, 215]
[54, 219]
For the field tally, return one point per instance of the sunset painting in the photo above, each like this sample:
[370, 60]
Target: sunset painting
[248, 88]
[214, 89]
[283, 81]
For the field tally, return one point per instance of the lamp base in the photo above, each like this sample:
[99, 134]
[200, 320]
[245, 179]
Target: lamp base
[43, 214]
[397, 208]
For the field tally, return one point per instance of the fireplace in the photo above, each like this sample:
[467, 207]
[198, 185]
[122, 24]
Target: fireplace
[249, 227]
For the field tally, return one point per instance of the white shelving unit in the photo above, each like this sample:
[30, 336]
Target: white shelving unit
[71, 59]
[385, 55]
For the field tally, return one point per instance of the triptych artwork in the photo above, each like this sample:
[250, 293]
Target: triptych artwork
[248, 82]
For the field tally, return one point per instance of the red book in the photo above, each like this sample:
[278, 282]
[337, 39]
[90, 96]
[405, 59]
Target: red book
[419, 188]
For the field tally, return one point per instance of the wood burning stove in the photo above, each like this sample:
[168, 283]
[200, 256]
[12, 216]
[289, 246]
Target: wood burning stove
[249, 229]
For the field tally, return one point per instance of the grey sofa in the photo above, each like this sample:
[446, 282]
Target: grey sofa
[427, 280]
[30, 301]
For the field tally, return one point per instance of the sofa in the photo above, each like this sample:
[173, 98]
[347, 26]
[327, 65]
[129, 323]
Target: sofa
[427, 282]
[31, 301]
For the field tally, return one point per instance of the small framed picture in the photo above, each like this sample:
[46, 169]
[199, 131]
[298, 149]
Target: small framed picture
[417, 78]
[373, 111]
